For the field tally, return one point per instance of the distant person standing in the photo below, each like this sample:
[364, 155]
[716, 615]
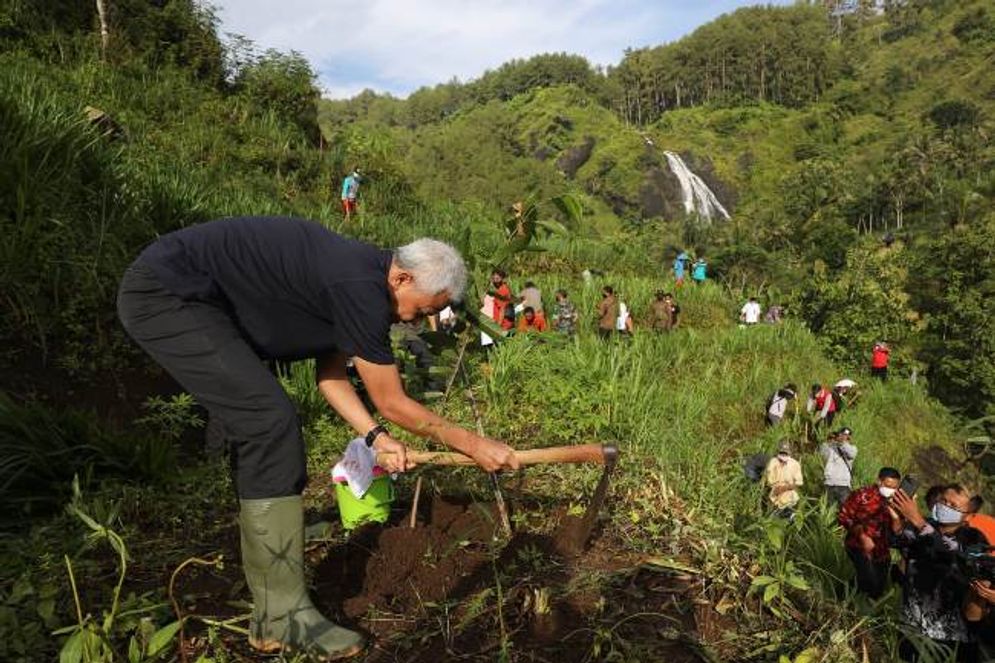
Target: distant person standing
[680, 266]
[530, 295]
[774, 314]
[350, 192]
[699, 271]
[750, 313]
[565, 314]
[838, 454]
[607, 312]
[879, 360]
[623, 323]
[662, 312]
[500, 293]
[777, 405]
[822, 404]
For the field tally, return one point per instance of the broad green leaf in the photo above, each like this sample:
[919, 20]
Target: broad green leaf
[21, 590]
[553, 227]
[570, 207]
[162, 637]
[72, 650]
[134, 651]
[810, 655]
[485, 324]
[775, 534]
[772, 591]
[762, 581]
[797, 582]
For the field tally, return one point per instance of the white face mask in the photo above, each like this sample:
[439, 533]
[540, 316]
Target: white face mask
[946, 515]
[886, 492]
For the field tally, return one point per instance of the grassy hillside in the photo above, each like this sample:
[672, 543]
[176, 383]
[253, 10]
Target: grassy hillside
[685, 410]
[904, 131]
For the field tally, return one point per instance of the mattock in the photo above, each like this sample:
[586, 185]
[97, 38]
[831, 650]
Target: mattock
[600, 454]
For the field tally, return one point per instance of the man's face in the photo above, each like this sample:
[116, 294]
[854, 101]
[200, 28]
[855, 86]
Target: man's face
[411, 305]
[956, 500]
[889, 482]
[843, 438]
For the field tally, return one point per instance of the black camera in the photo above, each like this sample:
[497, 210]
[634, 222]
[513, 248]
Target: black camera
[977, 562]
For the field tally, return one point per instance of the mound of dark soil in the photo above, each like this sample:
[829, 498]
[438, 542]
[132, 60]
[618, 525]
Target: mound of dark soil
[432, 593]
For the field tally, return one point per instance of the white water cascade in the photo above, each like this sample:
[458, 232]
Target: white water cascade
[698, 198]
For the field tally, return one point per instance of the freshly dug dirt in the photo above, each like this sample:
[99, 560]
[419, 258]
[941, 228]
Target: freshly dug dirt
[397, 568]
[450, 590]
[431, 593]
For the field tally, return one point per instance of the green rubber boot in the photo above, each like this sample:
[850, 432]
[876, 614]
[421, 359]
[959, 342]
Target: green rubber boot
[283, 617]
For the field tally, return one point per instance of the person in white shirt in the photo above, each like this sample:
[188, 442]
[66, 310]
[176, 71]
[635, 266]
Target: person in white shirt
[751, 312]
[777, 405]
[623, 323]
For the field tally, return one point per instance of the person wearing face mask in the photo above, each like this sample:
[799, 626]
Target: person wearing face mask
[838, 453]
[934, 591]
[868, 521]
[784, 475]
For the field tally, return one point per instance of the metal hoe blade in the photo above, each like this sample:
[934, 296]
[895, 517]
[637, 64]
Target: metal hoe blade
[583, 532]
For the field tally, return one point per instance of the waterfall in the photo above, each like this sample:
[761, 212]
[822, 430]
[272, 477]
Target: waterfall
[698, 198]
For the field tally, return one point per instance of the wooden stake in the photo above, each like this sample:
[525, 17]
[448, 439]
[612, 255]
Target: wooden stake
[414, 503]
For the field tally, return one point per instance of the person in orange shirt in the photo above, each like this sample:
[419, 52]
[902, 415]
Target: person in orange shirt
[981, 522]
[531, 321]
[501, 293]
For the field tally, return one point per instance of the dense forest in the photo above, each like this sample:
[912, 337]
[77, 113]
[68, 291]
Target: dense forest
[851, 142]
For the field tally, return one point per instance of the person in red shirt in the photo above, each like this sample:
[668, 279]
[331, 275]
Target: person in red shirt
[822, 404]
[531, 321]
[867, 519]
[501, 294]
[879, 360]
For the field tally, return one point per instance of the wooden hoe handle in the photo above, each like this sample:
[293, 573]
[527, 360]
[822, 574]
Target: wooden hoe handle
[582, 453]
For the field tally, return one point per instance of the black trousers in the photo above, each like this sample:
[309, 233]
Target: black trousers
[872, 576]
[202, 348]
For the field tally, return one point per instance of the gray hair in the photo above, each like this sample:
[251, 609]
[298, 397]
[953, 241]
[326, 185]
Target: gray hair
[436, 266]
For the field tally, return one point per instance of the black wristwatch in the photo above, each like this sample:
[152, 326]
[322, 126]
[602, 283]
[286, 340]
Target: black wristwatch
[375, 432]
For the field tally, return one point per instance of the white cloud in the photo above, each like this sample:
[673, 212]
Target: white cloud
[400, 45]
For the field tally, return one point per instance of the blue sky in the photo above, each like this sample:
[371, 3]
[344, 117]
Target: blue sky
[398, 46]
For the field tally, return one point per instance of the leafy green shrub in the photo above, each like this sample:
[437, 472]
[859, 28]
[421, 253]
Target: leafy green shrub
[954, 113]
[42, 450]
[975, 25]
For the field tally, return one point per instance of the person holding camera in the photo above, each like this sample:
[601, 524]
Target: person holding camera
[838, 453]
[868, 521]
[936, 594]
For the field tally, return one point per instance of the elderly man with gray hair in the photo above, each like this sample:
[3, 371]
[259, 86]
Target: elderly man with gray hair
[211, 302]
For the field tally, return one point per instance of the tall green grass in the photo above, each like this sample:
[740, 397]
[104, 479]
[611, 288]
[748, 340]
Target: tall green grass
[691, 402]
[42, 450]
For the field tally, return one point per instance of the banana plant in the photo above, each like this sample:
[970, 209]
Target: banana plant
[529, 224]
